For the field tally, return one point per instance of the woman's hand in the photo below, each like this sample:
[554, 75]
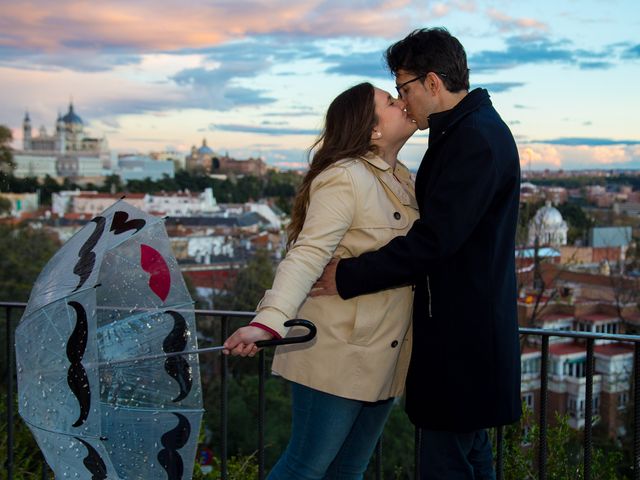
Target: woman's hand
[242, 341]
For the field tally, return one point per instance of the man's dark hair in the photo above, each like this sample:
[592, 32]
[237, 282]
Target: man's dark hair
[431, 50]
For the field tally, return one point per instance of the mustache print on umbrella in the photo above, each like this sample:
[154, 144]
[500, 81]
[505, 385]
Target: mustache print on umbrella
[93, 461]
[120, 224]
[76, 374]
[177, 367]
[172, 440]
[84, 266]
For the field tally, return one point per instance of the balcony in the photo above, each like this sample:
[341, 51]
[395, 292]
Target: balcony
[223, 322]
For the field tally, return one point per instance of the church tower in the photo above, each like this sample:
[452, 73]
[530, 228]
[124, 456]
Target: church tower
[26, 132]
[60, 135]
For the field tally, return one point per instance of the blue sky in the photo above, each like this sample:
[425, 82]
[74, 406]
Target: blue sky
[254, 77]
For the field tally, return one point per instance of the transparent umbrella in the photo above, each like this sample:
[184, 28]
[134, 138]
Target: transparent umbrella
[108, 372]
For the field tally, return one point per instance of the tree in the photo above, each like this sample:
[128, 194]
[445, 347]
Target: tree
[6, 152]
[5, 206]
[250, 285]
[24, 253]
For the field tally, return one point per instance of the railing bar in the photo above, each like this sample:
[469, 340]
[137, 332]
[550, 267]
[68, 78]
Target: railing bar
[499, 452]
[10, 393]
[45, 470]
[378, 460]
[416, 453]
[261, 413]
[636, 413]
[224, 400]
[544, 372]
[543, 332]
[588, 410]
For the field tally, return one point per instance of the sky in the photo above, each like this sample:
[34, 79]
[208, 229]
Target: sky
[254, 78]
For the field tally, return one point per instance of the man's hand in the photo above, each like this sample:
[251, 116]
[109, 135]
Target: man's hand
[242, 341]
[326, 284]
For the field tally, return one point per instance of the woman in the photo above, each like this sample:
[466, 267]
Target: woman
[355, 198]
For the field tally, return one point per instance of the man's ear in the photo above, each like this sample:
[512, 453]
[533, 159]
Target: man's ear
[432, 83]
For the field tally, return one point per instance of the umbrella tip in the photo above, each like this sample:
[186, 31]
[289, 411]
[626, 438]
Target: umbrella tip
[123, 197]
[97, 285]
[166, 217]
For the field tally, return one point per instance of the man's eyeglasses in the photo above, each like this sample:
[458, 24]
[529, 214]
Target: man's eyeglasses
[419, 77]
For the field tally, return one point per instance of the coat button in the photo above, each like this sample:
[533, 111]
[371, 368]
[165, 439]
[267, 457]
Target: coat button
[397, 215]
[394, 344]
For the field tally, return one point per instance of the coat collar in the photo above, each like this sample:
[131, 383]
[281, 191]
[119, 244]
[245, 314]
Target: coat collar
[440, 122]
[405, 192]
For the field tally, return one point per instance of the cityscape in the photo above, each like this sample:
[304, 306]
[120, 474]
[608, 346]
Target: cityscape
[210, 132]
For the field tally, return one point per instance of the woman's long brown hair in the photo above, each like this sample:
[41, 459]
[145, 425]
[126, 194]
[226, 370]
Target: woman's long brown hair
[346, 133]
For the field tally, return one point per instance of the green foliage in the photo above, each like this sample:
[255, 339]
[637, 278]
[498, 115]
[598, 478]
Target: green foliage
[5, 205]
[28, 460]
[250, 285]
[6, 153]
[564, 452]
[579, 223]
[25, 251]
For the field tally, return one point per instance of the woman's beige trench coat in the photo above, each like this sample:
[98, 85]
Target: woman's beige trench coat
[363, 345]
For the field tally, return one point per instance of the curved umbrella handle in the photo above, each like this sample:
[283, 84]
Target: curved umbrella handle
[289, 340]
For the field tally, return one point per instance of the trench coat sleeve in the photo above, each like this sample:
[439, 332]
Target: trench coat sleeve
[332, 205]
[449, 214]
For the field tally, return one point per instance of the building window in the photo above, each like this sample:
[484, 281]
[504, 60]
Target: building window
[575, 368]
[623, 400]
[528, 399]
[530, 366]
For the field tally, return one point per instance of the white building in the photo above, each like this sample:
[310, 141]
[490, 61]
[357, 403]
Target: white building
[21, 202]
[548, 227]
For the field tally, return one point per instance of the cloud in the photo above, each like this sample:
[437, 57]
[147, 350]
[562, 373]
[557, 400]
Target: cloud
[264, 130]
[367, 64]
[587, 141]
[506, 23]
[63, 33]
[632, 52]
[521, 51]
[570, 157]
[595, 65]
[499, 87]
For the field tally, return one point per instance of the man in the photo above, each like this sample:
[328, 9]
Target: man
[465, 367]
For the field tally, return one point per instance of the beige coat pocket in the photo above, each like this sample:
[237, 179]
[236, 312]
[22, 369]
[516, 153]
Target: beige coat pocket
[369, 316]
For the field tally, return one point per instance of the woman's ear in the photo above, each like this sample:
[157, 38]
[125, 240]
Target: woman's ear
[376, 134]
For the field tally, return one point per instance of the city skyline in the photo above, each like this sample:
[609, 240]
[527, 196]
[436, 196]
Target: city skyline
[254, 78]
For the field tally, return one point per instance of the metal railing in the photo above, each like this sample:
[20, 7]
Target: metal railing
[225, 317]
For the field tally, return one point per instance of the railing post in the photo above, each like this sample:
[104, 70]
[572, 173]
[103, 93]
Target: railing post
[542, 444]
[636, 412]
[499, 452]
[9, 351]
[588, 409]
[224, 397]
[261, 413]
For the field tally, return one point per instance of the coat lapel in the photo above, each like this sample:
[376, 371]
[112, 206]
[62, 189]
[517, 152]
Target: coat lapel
[382, 170]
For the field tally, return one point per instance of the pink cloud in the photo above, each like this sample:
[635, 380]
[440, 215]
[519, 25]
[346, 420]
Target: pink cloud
[145, 25]
[506, 23]
[540, 156]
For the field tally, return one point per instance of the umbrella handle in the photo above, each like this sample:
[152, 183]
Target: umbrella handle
[289, 340]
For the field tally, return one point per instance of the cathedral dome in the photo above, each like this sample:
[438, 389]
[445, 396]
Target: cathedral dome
[549, 216]
[204, 149]
[72, 117]
[548, 227]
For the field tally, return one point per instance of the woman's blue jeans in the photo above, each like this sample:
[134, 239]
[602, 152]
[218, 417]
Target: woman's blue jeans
[331, 437]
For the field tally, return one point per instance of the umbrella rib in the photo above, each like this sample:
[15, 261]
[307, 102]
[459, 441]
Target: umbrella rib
[50, 320]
